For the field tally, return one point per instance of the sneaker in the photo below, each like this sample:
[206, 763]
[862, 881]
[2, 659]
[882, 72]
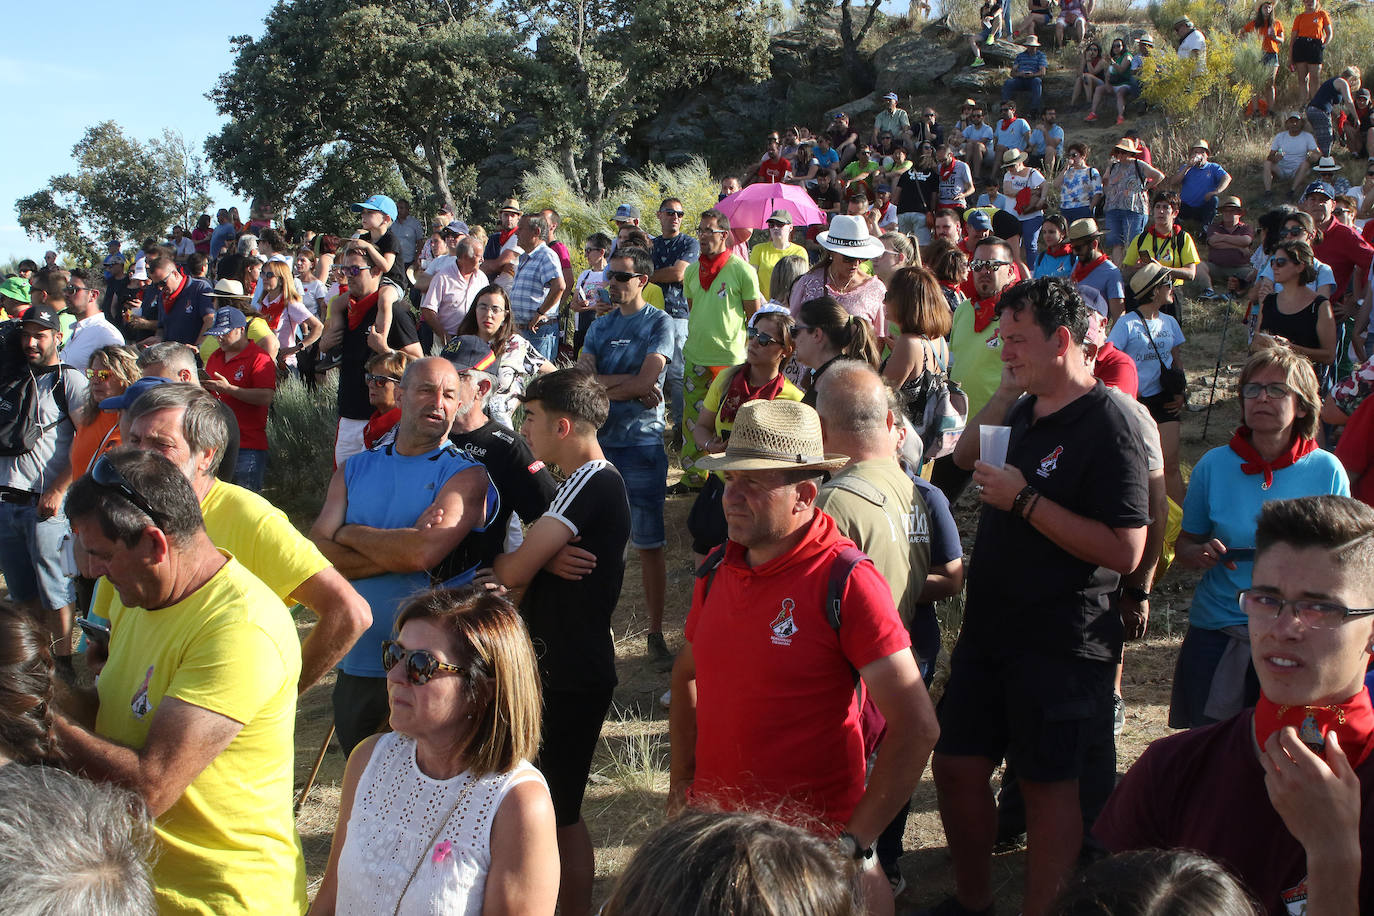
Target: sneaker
[667, 699]
[658, 649]
[1208, 293]
[1118, 714]
[1090, 116]
[992, 40]
[1120, 119]
[977, 62]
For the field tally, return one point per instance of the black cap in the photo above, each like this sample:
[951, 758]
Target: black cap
[43, 316]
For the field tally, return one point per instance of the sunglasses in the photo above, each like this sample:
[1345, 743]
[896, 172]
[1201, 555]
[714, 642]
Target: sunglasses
[99, 375]
[712, 231]
[1340, 211]
[69, 290]
[622, 276]
[676, 214]
[421, 665]
[980, 264]
[1292, 233]
[1280, 262]
[1276, 390]
[373, 379]
[106, 475]
[765, 340]
[352, 270]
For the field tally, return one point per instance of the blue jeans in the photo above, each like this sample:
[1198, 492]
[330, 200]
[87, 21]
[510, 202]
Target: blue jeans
[644, 468]
[673, 380]
[1122, 227]
[1031, 84]
[1073, 213]
[545, 339]
[1029, 227]
[250, 468]
[31, 556]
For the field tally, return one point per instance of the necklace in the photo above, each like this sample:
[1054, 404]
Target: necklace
[424, 850]
[848, 284]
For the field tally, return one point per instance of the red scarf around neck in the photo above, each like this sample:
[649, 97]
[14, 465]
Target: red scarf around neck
[358, 311]
[984, 311]
[1173, 231]
[505, 236]
[272, 311]
[708, 267]
[1007, 122]
[1058, 251]
[1351, 720]
[169, 299]
[1253, 464]
[739, 392]
[1081, 271]
[948, 170]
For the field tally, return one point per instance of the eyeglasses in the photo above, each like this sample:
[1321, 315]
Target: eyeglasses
[105, 474]
[421, 665]
[930, 114]
[1280, 262]
[99, 375]
[69, 290]
[1275, 390]
[352, 270]
[372, 379]
[674, 214]
[712, 231]
[1292, 233]
[622, 276]
[592, 250]
[1314, 615]
[765, 340]
[980, 264]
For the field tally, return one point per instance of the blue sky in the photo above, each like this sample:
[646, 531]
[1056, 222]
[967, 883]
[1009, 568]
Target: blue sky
[146, 66]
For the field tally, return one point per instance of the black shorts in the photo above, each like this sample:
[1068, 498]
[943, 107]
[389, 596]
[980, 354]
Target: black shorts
[1308, 50]
[1039, 712]
[572, 726]
[1154, 403]
[361, 709]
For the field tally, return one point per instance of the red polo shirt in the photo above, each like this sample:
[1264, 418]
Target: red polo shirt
[251, 368]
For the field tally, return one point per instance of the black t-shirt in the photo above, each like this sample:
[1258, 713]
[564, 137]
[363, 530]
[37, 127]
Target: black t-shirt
[920, 190]
[1024, 591]
[570, 622]
[353, 403]
[827, 198]
[1005, 224]
[225, 471]
[923, 132]
[525, 486]
[388, 244]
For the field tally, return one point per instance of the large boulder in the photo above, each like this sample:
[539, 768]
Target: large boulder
[912, 62]
[1000, 52]
[973, 81]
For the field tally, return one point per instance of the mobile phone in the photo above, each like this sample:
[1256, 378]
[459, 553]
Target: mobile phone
[95, 632]
[1239, 555]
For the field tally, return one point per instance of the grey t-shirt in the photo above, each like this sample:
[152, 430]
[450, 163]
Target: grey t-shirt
[35, 470]
[1144, 425]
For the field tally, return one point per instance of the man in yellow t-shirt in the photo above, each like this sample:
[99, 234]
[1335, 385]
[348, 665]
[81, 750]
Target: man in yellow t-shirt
[764, 256]
[183, 423]
[197, 703]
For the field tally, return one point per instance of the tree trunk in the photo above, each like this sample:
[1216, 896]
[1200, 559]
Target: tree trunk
[596, 160]
[570, 166]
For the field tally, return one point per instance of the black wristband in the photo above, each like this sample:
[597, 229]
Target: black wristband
[1018, 505]
[1135, 593]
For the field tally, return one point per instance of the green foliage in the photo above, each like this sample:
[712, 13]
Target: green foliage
[1205, 103]
[342, 176]
[300, 430]
[121, 189]
[1352, 41]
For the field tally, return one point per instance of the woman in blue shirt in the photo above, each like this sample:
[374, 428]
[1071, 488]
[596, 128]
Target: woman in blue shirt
[1053, 258]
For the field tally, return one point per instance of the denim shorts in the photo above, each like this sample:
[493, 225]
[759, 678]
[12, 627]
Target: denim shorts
[31, 556]
[1123, 226]
[644, 468]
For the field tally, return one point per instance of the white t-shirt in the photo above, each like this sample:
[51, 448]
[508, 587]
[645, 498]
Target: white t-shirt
[1194, 41]
[1294, 149]
[1014, 184]
[316, 298]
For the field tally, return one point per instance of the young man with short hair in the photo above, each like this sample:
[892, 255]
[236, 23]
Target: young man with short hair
[569, 619]
[92, 329]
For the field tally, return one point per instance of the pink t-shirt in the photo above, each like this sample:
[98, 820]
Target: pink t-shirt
[865, 301]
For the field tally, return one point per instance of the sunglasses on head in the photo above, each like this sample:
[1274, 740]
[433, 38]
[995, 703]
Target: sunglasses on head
[374, 379]
[106, 475]
[980, 264]
[765, 340]
[421, 665]
[622, 276]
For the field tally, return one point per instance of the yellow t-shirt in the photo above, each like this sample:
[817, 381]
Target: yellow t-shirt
[721, 383]
[763, 257]
[229, 844]
[653, 294]
[1162, 250]
[258, 331]
[253, 531]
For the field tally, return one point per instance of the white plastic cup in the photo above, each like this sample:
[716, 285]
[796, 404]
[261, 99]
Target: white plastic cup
[992, 444]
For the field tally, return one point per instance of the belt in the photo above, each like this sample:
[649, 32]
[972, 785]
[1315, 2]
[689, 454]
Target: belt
[18, 497]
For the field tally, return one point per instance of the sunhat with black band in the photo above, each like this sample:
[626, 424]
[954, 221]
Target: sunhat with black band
[775, 435]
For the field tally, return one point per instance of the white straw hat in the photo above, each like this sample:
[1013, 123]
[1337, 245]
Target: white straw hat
[774, 435]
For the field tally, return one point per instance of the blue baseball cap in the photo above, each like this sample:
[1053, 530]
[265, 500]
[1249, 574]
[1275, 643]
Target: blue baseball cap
[132, 393]
[458, 227]
[379, 202]
[979, 219]
[227, 319]
[1320, 187]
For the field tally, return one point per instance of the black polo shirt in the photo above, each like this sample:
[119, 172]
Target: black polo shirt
[1024, 591]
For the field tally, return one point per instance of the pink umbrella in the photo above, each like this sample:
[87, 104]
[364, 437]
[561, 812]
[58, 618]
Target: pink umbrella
[750, 207]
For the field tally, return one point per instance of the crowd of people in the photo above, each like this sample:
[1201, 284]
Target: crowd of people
[976, 304]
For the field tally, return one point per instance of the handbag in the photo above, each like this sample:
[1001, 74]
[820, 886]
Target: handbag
[938, 410]
[1173, 381]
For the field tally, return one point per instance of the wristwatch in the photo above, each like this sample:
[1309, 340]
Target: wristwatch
[1135, 593]
[849, 848]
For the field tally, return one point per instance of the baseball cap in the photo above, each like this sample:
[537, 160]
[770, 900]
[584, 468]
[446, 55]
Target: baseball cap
[227, 319]
[979, 219]
[890, 97]
[470, 352]
[16, 288]
[626, 212]
[133, 392]
[1093, 299]
[379, 202]
[140, 271]
[42, 315]
[1293, 116]
[780, 216]
[1320, 187]
[458, 227]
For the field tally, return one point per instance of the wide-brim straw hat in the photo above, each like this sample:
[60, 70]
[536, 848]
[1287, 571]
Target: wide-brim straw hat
[1085, 228]
[775, 435]
[1144, 281]
[1128, 146]
[229, 289]
[849, 235]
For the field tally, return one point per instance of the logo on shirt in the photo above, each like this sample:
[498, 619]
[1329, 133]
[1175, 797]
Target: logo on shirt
[536, 467]
[783, 626]
[238, 374]
[1050, 461]
[917, 528]
[1295, 899]
[140, 706]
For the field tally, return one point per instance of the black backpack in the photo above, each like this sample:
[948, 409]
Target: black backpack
[20, 429]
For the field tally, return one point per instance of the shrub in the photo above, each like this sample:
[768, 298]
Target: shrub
[300, 436]
[1200, 103]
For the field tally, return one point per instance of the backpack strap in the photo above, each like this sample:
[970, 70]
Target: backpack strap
[59, 395]
[860, 488]
[840, 569]
[708, 567]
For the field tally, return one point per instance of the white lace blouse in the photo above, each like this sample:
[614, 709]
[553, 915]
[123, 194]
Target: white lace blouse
[401, 817]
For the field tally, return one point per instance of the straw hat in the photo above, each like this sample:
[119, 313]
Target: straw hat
[1030, 41]
[1145, 280]
[849, 235]
[1013, 156]
[1326, 165]
[1128, 146]
[229, 289]
[1231, 203]
[1085, 228]
[774, 435]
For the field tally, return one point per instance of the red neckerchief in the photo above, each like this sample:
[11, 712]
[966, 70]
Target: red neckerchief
[1080, 272]
[1253, 464]
[357, 311]
[946, 171]
[1058, 251]
[169, 299]
[1173, 232]
[1352, 721]
[1006, 122]
[984, 311]
[378, 425]
[708, 267]
[506, 234]
[739, 391]
[273, 311]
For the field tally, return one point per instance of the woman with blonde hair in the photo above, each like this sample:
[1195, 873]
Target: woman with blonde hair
[1272, 455]
[284, 311]
[110, 372]
[445, 814]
